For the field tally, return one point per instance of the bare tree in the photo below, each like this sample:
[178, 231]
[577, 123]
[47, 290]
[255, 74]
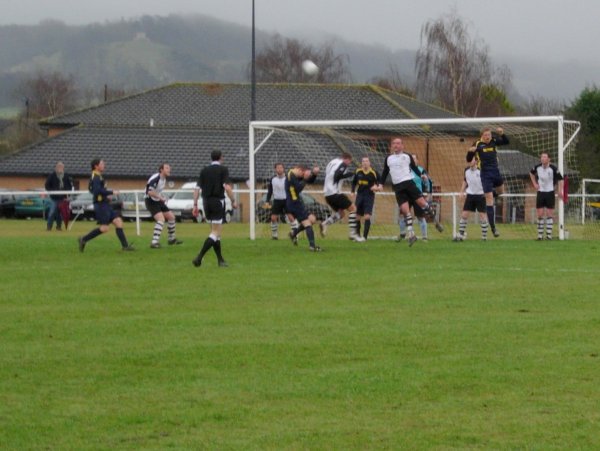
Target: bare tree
[455, 69]
[394, 81]
[49, 94]
[541, 106]
[280, 61]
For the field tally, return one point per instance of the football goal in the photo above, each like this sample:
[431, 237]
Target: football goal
[441, 146]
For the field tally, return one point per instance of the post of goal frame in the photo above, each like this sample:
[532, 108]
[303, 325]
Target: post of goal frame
[561, 166]
[251, 182]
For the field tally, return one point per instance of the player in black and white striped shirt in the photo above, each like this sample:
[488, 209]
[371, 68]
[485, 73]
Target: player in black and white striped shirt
[475, 201]
[276, 190]
[156, 203]
[544, 177]
[400, 165]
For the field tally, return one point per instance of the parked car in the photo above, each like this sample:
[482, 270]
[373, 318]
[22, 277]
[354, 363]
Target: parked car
[7, 203]
[128, 208]
[321, 211]
[34, 205]
[82, 205]
[182, 204]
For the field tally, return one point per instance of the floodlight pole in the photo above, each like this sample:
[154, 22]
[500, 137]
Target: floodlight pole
[253, 71]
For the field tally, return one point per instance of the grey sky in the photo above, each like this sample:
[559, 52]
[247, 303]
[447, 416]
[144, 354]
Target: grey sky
[550, 30]
[549, 45]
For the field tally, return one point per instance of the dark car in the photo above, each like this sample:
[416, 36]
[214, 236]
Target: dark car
[82, 205]
[321, 211]
[7, 203]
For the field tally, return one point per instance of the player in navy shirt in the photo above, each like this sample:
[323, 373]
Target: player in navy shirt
[296, 179]
[105, 215]
[364, 184]
[486, 153]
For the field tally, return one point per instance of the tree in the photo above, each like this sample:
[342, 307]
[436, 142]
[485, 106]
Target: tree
[586, 109]
[280, 61]
[394, 81]
[455, 69]
[49, 94]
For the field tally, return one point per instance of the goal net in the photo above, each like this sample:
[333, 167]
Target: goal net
[441, 146]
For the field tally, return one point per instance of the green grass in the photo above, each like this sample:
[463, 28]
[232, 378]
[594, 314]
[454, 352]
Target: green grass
[8, 112]
[444, 345]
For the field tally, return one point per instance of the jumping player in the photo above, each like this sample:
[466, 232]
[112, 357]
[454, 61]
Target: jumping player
[335, 173]
[400, 165]
[487, 157]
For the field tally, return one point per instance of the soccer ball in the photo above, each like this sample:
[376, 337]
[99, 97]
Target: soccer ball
[309, 67]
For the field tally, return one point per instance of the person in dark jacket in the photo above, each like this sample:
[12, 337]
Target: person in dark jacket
[57, 181]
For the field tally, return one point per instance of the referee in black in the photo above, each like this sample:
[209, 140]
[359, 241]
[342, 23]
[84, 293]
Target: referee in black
[214, 183]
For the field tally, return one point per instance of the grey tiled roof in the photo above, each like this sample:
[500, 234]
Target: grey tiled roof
[228, 105]
[136, 152]
[191, 119]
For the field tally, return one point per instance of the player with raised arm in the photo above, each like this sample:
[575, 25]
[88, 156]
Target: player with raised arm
[156, 203]
[400, 165]
[475, 200]
[544, 177]
[335, 173]
[296, 179]
[364, 185]
[276, 190]
[486, 153]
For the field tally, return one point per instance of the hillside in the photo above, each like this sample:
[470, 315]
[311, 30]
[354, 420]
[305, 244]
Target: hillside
[150, 51]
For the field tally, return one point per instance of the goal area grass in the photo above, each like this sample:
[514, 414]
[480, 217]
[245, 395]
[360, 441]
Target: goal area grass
[363, 346]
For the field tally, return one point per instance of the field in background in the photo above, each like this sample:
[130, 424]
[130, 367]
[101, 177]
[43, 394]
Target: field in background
[372, 345]
[8, 112]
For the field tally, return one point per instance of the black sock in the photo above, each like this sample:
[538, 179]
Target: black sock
[296, 232]
[208, 243]
[490, 214]
[217, 248]
[93, 234]
[121, 234]
[367, 227]
[358, 227]
[310, 235]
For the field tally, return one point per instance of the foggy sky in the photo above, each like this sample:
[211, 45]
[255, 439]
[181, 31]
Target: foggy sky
[550, 30]
[550, 45]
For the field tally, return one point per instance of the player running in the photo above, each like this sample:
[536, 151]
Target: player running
[156, 203]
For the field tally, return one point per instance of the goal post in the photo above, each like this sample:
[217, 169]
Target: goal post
[441, 145]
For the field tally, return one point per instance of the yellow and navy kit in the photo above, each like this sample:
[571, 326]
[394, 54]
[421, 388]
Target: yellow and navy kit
[363, 181]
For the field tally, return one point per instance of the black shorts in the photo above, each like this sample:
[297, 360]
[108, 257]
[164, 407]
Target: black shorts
[214, 209]
[407, 191]
[491, 179]
[278, 207]
[154, 206]
[545, 199]
[338, 201]
[296, 209]
[419, 212]
[365, 203]
[475, 202]
[104, 213]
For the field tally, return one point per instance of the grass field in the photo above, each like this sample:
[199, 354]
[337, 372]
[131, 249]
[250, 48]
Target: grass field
[364, 346]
